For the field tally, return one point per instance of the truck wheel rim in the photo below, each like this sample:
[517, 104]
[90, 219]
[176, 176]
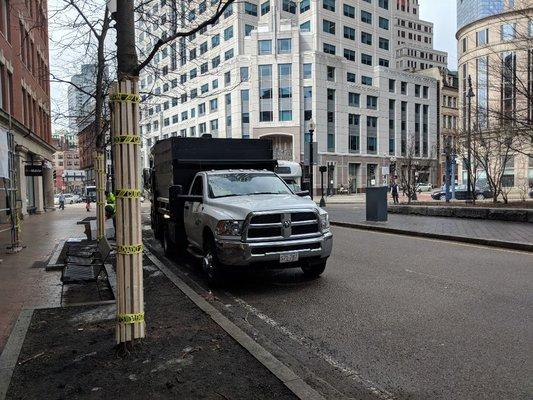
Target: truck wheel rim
[208, 263]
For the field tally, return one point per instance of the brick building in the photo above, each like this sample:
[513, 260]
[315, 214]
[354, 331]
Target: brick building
[25, 105]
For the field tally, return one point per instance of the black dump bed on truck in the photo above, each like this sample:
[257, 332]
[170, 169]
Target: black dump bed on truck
[175, 161]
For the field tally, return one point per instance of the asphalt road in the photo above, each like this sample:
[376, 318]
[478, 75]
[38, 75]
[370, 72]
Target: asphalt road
[394, 317]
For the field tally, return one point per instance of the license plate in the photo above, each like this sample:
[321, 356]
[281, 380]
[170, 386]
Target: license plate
[288, 258]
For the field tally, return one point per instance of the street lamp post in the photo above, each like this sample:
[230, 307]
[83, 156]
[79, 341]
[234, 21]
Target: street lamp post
[322, 169]
[470, 95]
[311, 151]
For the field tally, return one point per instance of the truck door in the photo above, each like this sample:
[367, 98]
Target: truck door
[192, 213]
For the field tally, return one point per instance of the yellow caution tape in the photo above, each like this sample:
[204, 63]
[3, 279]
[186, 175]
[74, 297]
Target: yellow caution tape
[122, 97]
[130, 318]
[127, 139]
[128, 193]
[130, 249]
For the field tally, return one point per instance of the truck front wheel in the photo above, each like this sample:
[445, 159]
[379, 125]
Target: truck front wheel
[314, 270]
[211, 265]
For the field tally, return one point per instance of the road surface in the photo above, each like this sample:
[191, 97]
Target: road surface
[393, 317]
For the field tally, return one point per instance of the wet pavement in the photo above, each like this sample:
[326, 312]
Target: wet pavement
[23, 280]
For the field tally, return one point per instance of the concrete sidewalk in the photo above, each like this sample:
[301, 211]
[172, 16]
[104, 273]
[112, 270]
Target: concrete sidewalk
[23, 280]
[514, 235]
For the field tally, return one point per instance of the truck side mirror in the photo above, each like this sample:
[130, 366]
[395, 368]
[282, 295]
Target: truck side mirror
[302, 193]
[174, 192]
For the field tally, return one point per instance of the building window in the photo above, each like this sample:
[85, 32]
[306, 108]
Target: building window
[349, 54]
[350, 77]
[508, 32]
[305, 5]
[289, 6]
[244, 74]
[307, 70]
[383, 23]
[371, 135]
[353, 99]
[366, 17]
[215, 40]
[328, 5]
[329, 48]
[383, 43]
[265, 7]
[349, 33]
[366, 80]
[331, 73]
[366, 38]
[372, 102]
[228, 33]
[384, 4]
[228, 54]
[284, 46]
[482, 37]
[392, 86]
[265, 93]
[265, 47]
[248, 29]
[250, 8]
[366, 59]
[403, 87]
[285, 92]
[354, 133]
[383, 62]
[328, 26]
[306, 26]
[213, 104]
[308, 105]
[349, 11]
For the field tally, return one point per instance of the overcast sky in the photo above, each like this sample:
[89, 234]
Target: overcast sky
[443, 13]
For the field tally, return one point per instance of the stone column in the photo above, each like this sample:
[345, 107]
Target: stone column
[48, 184]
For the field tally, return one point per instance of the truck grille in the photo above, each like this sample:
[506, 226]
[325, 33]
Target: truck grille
[280, 226]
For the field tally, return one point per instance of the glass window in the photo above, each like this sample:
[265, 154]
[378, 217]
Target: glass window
[307, 70]
[383, 43]
[349, 54]
[349, 33]
[305, 5]
[353, 99]
[248, 29]
[383, 62]
[508, 32]
[250, 8]
[328, 26]
[350, 77]
[265, 7]
[366, 17]
[265, 47]
[366, 80]
[329, 48]
[306, 26]
[349, 11]
[372, 102]
[366, 38]
[366, 59]
[383, 23]
[215, 40]
[228, 33]
[384, 4]
[284, 46]
[289, 6]
[244, 74]
[331, 73]
[328, 5]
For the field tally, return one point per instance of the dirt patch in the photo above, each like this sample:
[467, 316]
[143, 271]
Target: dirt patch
[69, 354]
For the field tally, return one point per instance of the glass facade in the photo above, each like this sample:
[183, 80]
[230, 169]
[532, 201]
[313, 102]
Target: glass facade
[469, 11]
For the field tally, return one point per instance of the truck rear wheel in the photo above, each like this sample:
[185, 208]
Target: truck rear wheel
[211, 265]
[314, 270]
[168, 246]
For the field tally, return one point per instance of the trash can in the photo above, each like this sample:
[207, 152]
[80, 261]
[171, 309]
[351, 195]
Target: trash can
[376, 203]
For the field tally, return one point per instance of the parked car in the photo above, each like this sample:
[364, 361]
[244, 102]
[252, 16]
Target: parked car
[461, 193]
[531, 193]
[424, 187]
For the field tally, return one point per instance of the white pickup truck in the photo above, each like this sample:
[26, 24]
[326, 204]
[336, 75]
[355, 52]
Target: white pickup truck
[252, 218]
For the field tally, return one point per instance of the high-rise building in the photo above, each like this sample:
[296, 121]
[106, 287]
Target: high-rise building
[495, 46]
[80, 102]
[26, 149]
[267, 69]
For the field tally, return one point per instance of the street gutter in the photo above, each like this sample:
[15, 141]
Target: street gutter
[528, 247]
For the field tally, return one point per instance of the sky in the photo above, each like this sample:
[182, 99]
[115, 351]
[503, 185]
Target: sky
[443, 14]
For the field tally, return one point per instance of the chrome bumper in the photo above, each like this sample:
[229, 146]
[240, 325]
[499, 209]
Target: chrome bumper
[243, 253]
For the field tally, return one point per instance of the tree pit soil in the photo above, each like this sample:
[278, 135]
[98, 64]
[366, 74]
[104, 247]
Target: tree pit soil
[70, 353]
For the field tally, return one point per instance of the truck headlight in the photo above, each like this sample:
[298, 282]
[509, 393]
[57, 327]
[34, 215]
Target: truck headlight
[324, 221]
[229, 228]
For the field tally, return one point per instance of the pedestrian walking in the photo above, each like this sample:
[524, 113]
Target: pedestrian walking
[88, 203]
[394, 192]
[61, 201]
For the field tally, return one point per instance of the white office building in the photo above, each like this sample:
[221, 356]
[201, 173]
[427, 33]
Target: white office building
[267, 69]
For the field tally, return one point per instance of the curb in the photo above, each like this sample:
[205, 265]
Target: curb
[10, 354]
[462, 239]
[292, 381]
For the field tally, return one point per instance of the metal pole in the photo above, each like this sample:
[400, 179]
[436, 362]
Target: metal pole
[469, 141]
[311, 150]
[323, 169]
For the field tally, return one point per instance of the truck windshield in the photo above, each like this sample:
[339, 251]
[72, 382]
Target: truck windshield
[244, 184]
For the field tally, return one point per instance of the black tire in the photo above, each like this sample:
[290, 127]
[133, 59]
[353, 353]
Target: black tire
[314, 270]
[212, 267]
